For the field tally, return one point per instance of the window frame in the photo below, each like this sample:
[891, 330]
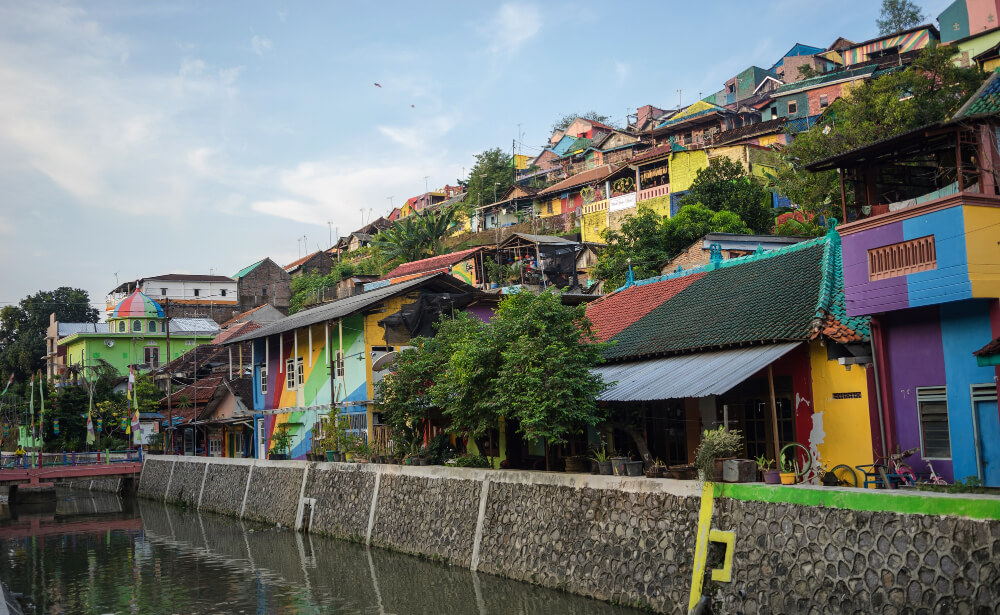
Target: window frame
[338, 363]
[824, 101]
[300, 372]
[289, 374]
[222, 292]
[151, 327]
[932, 395]
[197, 292]
[793, 107]
[151, 356]
[121, 326]
[263, 380]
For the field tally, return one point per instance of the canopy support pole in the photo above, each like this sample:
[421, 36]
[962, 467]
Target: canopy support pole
[774, 415]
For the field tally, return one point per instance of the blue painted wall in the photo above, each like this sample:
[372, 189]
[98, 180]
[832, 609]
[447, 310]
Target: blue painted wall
[964, 326]
[950, 281]
[954, 21]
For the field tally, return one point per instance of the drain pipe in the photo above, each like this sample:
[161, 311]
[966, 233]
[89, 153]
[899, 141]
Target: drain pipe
[877, 326]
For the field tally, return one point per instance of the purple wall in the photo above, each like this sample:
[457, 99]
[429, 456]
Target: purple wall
[864, 297]
[916, 359]
[482, 312]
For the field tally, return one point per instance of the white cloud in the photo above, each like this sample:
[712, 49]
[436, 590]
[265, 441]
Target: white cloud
[421, 134]
[260, 44]
[513, 25]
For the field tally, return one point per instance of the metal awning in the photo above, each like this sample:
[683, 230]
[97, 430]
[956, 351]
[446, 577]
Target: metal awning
[693, 375]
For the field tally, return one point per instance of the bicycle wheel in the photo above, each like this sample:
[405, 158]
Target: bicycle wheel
[798, 451]
[845, 476]
[907, 475]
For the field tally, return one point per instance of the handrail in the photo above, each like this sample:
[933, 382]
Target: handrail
[71, 458]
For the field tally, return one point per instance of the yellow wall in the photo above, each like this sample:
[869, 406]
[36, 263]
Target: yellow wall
[770, 140]
[684, 167]
[659, 204]
[972, 47]
[541, 207]
[736, 153]
[592, 225]
[841, 430]
[981, 232]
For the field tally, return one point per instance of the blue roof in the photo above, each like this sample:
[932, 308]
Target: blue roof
[798, 49]
[563, 145]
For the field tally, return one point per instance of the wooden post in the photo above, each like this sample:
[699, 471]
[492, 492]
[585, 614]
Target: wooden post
[774, 415]
[843, 197]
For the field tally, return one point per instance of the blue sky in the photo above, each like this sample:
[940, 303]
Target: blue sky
[148, 138]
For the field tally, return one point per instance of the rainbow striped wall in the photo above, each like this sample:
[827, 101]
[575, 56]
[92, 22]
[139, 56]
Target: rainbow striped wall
[906, 42]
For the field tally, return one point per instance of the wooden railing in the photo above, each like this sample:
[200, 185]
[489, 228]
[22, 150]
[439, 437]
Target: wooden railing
[596, 206]
[652, 193]
[902, 258]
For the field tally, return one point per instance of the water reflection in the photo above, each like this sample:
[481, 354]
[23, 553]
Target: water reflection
[97, 554]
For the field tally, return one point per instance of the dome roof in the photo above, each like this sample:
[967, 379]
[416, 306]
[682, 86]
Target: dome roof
[137, 305]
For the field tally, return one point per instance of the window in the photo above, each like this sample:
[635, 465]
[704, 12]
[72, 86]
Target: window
[215, 447]
[264, 291]
[163, 292]
[932, 408]
[263, 380]
[774, 112]
[548, 207]
[339, 364]
[152, 326]
[151, 356]
[121, 326]
[300, 370]
[824, 101]
[793, 107]
[137, 325]
[197, 292]
[223, 292]
[687, 137]
[732, 88]
[290, 374]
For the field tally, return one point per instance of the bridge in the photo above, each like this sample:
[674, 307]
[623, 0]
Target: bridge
[35, 482]
[52, 473]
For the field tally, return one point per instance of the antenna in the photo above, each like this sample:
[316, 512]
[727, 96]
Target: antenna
[390, 203]
[679, 104]
[426, 177]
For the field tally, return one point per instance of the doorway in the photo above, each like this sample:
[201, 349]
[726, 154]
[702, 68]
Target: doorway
[987, 433]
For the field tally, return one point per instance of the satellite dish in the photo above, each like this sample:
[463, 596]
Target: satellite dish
[109, 343]
[384, 361]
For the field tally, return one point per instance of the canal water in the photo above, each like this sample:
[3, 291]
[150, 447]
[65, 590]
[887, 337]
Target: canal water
[97, 553]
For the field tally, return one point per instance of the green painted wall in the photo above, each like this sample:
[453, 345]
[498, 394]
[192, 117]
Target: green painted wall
[127, 348]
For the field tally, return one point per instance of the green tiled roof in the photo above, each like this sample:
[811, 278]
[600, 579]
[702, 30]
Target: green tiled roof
[986, 100]
[814, 82]
[579, 145]
[242, 272]
[791, 294]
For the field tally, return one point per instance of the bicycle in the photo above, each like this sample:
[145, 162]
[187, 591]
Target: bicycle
[890, 472]
[935, 478]
[842, 475]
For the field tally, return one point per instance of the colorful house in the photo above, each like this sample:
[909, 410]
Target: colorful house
[465, 265]
[965, 18]
[921, 258]
[136, 336]
[760, 343]
[892, 45]
[327, 357]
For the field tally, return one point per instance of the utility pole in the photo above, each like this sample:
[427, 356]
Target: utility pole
[170, 408]
[513, 159]
[679, 104]
[426, 177]
[330, 226]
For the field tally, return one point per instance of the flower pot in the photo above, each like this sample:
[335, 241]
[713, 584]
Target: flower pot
[576, 464]
[788, 478]
[618, 465]
[772, 477]
[682, 472]
[332, 455]
[348, 456]
[277, 456]
[604, 467]
[633, 468]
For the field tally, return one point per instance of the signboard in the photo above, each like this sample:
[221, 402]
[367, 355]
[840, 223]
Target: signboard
[618, 203]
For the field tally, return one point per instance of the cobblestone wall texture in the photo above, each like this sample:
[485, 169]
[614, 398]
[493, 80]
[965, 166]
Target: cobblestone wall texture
[430, 516]
[153, 481]
[634, 548]
[274, 495]
[186, 483]
[804, 559]
[224, 488]
[618, 539]
[343, 500]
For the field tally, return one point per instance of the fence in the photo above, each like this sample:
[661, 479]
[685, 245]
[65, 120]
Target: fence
[31, 459]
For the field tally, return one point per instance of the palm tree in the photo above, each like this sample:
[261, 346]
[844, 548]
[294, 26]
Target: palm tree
[415, 237]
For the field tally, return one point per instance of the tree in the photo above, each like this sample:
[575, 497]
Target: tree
[693, 222]
[308, 287]
[725, 185]
[640, 239]
[898, 15]
[929, 90]
[23, 327]
[417, 236]
[563, 122]
[545, 383]
[491, 175]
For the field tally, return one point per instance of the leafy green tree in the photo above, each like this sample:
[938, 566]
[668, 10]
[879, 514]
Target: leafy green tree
[418, 236]
[725, 185]
[564, 122]
[492, 174]
[308, 287]
[693, 222]
[22, 328]
[929, 90]
[898, 15]
[640, 239]
[545, 383]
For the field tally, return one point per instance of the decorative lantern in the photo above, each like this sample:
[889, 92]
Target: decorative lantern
[100, 424]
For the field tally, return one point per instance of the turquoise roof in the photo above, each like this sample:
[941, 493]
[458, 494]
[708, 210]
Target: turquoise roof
[242, 272]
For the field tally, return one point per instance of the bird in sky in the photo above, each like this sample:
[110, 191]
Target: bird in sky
[378, 85]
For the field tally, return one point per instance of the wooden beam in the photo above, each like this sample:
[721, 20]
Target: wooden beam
[774, 415]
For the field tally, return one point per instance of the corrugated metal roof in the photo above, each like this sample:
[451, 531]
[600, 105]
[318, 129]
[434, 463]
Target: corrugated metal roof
[692, 375]
[193, 325]
[344, 307]
[69, 328]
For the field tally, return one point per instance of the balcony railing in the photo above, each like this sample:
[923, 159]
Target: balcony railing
[652, 193]
[902, 258]
[595, 207]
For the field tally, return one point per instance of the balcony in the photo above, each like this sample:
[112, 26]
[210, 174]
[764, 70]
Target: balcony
[655, 191]
[596, 206]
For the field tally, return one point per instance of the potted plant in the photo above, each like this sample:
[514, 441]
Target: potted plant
[362, 452]
[603, 463]
[656, 469]
[788, 469]
[633, 468]
[281, 443]
[771, 476]
[716, 445]
[618, 464]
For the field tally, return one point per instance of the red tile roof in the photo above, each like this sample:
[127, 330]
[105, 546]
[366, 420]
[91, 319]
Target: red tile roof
[580, 179]
[430, 264]
[613, 313]
[205, 390]
[236, 330]
[240, 316]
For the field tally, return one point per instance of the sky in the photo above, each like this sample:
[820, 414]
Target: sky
[145, 138]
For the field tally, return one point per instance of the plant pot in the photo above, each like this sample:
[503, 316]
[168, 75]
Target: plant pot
[618, 465]
[739, 471]
[633, 468]
[787, 478]
[682, 472]
[332, 455]
[772, 477]
[604, 468]
[576, 464]
[278, 456]
[655, 472]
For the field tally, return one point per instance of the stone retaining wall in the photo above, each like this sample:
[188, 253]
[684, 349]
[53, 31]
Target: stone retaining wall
[627, 540]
